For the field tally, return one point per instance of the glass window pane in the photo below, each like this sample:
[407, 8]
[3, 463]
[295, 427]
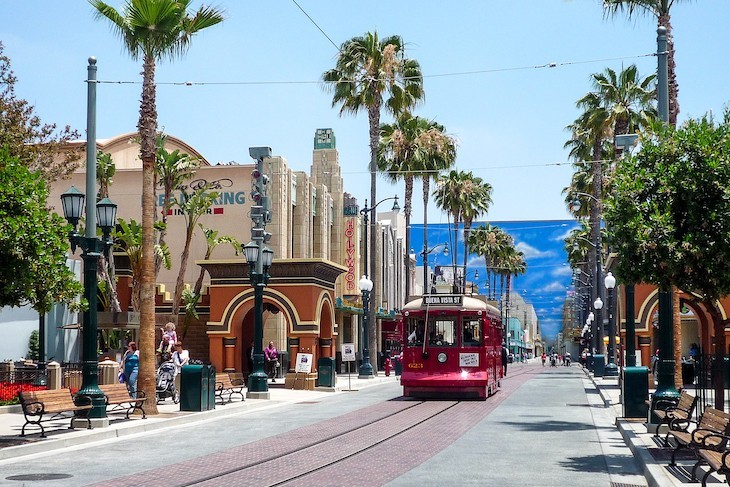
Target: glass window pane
[471, 332]
[414, 330]
[442, 331]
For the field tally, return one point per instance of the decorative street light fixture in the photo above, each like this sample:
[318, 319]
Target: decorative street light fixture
[366, 369]
[598, 359]
[424, 254]
[611, 368]
[370, 316]
[259, 258]
[92, 247]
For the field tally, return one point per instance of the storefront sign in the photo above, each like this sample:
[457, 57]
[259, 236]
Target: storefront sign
[350, 249]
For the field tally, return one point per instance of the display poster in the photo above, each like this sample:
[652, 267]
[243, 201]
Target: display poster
[348, 352]
[304, 363]
[468, 360]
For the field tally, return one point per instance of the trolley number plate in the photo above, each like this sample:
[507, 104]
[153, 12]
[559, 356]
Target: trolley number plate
[415, 365]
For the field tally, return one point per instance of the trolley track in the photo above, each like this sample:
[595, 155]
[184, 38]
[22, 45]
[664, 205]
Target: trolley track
[300, 462]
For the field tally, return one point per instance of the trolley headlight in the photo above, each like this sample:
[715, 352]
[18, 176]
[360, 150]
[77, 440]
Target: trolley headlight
[442, 357]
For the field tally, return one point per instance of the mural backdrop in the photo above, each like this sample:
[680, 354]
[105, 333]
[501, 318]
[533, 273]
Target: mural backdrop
[546, 283]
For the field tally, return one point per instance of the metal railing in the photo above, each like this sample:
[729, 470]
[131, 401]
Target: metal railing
[699, 374]
[21, 379]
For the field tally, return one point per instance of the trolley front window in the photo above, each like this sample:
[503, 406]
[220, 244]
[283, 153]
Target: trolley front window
[471, 331]
[441, 331]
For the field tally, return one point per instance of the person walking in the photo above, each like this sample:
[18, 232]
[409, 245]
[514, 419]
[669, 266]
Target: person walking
[130, 367]
[271, 355]
[504, 361]
[180, 357]
[544, 358]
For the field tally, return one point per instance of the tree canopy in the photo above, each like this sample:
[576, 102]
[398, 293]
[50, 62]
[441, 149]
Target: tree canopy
[23, 134]
[33, 241]
[669, 213]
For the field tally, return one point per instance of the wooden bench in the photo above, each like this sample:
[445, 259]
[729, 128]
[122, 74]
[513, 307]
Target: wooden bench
[711, 433]
[716, 460]
[679, 412]
[229, 383]
[118, 396]
[52, 404]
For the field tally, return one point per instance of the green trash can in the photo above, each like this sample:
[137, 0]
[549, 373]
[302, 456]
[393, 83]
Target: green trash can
[197, 388]
[326, 375]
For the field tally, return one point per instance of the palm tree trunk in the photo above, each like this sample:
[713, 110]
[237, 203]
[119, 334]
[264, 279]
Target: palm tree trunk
[147, 127]
[666, 21]
[407, 210]
[677, 329]
[180, 282]
[374, 119]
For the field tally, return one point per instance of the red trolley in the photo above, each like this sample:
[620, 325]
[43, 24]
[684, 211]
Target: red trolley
[452, 347]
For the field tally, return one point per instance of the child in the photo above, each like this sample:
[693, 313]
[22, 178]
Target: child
[169, 338]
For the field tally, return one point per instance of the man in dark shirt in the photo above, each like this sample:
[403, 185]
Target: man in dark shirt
[504, 361]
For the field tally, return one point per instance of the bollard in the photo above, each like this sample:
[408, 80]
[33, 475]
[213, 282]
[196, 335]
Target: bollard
[53, 369]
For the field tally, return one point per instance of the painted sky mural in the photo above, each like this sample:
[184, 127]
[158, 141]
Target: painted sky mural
[545, 284]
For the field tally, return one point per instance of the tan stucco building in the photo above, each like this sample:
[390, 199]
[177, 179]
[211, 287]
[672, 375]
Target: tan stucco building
[313, 296]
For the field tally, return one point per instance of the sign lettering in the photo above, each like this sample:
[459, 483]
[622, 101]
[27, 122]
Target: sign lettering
[350, 260]
[442, 300]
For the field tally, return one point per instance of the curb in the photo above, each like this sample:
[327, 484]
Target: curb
[654, 473]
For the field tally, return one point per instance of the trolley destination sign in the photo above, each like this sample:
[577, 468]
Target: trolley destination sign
[442, 300]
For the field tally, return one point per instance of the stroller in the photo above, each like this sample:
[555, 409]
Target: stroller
[166, 383]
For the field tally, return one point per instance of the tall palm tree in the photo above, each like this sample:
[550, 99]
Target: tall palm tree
[401, 154]
[152, 30]
[465, 197]
[105, 170]
[661, 10]
[371, 73]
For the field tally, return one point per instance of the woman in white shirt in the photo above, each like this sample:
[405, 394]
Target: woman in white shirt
[180, 357]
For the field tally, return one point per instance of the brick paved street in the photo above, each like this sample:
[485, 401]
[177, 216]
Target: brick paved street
[540, 429]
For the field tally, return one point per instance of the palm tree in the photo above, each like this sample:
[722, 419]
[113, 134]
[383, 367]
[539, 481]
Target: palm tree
[193, 206]
[152, 30]
[105, 170]
[403, 152]
[661, 10]
[171, 170]
[369, 73]
[465, 197]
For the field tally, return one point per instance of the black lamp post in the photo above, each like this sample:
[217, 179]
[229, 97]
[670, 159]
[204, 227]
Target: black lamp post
[259, 261]
[369, 316]
[611, 367]
[424, 254]
[366, 369]
[92, 246]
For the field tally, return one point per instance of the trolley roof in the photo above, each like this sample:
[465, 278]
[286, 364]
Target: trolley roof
[458, 301]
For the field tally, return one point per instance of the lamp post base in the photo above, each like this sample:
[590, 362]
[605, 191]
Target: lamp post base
[258, 382]
[366, 371]
[611, 370]
[258, 395]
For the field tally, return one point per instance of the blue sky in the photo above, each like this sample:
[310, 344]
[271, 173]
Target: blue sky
[486, 71]
[547, 280]
[509, 120]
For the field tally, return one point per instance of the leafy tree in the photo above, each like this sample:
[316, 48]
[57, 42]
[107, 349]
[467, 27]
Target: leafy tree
[152, 30]
[370, 74]
[33, 343]
[33, 241]
[24, 135]
[669, 215]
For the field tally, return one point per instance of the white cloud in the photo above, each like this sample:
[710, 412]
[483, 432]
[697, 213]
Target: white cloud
[553, 287]
[532, 252]
[563, 270]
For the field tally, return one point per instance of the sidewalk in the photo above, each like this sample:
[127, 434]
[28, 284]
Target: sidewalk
[58, 435]
[650, 454]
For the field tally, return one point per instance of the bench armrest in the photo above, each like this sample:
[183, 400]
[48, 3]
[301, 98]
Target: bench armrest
[679, 424]
[218, 386]
[713, 434]
[35, 408]
[238, 382]
[82, 400]
[666, 403]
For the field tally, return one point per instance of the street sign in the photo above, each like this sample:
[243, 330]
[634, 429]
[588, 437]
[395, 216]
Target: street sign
[348, 352]
[442, 300]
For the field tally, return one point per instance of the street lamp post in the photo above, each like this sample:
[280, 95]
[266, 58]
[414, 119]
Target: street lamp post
[611, 368]
[424, 254]
[366, 369]
[259, 258]
[599, 363]
[368, 313]
[105, 212]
